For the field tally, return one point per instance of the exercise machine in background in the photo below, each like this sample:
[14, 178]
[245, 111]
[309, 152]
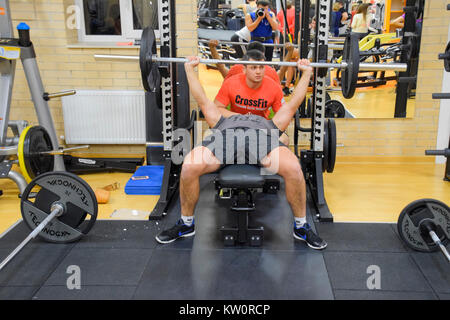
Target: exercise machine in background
[36, 148]
[10, 51]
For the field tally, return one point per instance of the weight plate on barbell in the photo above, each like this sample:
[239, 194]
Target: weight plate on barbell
[326, 146]
[65, 188]
[151, 77]
[332, 144]
[447, 61]
[32, 142]
[417, 212]
[350, 73]
[334, 109]
[147, 47]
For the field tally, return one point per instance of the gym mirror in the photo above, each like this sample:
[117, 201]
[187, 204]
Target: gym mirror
[376, 94]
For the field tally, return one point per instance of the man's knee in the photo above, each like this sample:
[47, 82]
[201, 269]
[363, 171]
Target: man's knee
[191, 170]
[291, 169]
[198, 162]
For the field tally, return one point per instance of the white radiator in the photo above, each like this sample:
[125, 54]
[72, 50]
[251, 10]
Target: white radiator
[104, 117]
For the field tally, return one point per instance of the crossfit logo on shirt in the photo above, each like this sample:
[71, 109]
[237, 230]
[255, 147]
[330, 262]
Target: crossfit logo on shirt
[251, 104]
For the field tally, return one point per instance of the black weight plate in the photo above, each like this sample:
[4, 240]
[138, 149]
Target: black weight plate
[350, 74]
[326, 146]
[447, 61]
[332, 142]
[73, 193]
[35, 142]
[334, 109]
[415, 213]
[147, 49]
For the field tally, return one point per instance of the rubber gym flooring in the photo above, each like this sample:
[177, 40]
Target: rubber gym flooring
[122, 260]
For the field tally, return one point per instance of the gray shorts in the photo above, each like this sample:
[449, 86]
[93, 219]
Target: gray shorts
[242, 145]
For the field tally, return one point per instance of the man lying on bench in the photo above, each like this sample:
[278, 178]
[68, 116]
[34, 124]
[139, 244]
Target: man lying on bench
[260, 145]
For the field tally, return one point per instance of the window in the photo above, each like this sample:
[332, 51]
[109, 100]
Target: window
[116, 20]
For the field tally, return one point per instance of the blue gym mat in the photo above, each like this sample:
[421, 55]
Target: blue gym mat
[149, 180]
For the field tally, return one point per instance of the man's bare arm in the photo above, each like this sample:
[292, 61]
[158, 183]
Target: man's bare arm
[284, 116]
[272, 20]
[215, 55]
[287, 57]
[209, 109]
[252, 25]
[223, 109]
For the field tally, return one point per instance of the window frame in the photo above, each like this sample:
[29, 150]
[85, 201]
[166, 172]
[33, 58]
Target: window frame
[126, 17]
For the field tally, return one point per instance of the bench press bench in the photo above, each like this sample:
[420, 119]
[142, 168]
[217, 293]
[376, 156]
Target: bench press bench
[239, 183]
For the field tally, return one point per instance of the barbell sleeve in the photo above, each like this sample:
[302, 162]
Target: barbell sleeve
[438, 242]
[64, 150]
[401, 67]
[47, 96]
[441, 96]
[55, 212]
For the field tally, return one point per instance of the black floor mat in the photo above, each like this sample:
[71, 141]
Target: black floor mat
[122, 260]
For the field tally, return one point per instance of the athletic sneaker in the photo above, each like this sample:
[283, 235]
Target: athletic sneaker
[286, 91]
[306, 234]
[179, 230]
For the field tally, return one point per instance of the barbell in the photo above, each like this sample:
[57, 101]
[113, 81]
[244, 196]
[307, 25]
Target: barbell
[350, 64]
[275, 45]
[63, 210]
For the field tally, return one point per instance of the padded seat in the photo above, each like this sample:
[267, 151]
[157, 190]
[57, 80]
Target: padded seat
[241, 176]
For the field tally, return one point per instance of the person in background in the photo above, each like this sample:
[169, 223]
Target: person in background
[248, 7]
[353, 12]
[399, 23]
[262, 25]
[290, 17]
[243, 36]
[339, 19]
[360, 23]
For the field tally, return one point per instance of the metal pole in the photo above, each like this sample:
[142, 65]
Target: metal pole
[64, 150]
[55, 212]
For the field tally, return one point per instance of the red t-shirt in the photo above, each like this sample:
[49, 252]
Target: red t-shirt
[268, 72]
[243, 100]
[290, 19]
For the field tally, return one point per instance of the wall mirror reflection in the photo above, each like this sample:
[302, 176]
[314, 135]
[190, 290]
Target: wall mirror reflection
[226, 29]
